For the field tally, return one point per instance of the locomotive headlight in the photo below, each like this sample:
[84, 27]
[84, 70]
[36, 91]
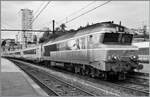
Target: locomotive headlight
[115, 58]
[134, 58]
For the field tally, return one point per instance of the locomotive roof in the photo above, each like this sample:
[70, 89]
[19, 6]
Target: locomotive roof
[90, 29]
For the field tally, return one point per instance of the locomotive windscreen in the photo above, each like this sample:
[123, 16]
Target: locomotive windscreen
[117, 38]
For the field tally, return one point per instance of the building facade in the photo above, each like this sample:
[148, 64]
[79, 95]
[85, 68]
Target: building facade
[26, 23]
[10, 44]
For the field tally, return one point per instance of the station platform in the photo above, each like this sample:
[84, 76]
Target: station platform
[14, 82]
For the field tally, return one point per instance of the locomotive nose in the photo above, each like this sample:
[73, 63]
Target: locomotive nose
[125, 64]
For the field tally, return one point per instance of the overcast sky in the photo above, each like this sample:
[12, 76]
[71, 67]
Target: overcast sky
[133, 14]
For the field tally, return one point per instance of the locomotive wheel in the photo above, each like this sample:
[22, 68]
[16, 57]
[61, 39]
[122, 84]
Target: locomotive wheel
[92, 73]
[73, 68]
[67, 67]
[87, 71]
[111, 75]
[82, 71]
[97, 73]
[121, 76]
[77, 69]
[53, 63]
[105, 76]
[47, 63]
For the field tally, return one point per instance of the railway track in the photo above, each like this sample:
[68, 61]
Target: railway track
[136, 82]
[139, 74]
[139, 78]
[139, 81]
[136, 89]
[144, 78]
[54, 86]
[128, 87]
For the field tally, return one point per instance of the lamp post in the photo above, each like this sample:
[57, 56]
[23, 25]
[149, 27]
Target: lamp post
[25, 39]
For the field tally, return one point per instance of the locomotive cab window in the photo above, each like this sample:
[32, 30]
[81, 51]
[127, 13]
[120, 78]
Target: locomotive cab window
[117, 38]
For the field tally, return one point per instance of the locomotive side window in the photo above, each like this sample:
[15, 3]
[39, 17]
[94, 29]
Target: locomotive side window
[33, 51]
[90, 42]
[94, 41]
[17, 53]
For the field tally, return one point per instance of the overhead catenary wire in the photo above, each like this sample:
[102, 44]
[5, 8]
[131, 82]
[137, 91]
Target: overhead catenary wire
[31, 21]
[73, 18]
[88, 11]
[78, 10]
[38, 9]
[36, 12]
[40, 12]
[57, 22]
[7, 24]
[23, 30]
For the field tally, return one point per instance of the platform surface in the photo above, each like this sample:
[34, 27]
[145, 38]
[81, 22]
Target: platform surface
[14, 82]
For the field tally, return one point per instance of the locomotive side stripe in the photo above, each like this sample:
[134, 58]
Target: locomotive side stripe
[98, 49]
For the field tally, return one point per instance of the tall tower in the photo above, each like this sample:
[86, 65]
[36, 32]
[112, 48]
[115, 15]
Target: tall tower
[26, 23]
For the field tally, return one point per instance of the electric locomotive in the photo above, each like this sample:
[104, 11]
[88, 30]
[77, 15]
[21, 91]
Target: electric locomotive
[103, 49]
